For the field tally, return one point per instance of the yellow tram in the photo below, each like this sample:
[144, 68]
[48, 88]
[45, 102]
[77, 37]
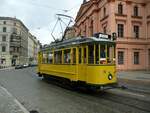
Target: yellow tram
[89, 60]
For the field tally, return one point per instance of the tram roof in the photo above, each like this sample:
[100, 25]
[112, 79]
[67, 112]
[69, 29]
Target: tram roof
[77, 41]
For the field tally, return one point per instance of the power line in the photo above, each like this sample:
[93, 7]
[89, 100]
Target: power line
[50, 7]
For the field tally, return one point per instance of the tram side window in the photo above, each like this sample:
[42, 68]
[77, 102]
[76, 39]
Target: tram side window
[58, 57]
[91, 54]
[44, 56]
[85, 56]
[111, 54]
[80, 55]
[97, 53]
[74, 56]
[50, 58]
[102, 54]
[67, 56]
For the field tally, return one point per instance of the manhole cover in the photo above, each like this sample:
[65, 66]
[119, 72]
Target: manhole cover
[34, 111]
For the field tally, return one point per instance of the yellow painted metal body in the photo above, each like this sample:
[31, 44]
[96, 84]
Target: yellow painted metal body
[91, 74]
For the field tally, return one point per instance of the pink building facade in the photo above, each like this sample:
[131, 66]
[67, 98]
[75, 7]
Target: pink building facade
[130, 19]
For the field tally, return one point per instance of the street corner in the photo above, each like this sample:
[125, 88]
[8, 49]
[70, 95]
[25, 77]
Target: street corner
[9, 104]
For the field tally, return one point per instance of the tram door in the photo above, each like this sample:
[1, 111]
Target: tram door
[82, 63]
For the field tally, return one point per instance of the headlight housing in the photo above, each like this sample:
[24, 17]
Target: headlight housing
[110, 76]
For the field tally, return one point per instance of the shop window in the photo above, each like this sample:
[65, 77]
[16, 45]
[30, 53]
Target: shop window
[120, 57]
[136, 57]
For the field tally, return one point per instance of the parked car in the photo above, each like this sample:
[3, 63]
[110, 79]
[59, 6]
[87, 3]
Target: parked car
[26, 65]
[18, 66]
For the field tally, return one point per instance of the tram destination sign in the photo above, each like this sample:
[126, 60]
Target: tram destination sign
[102, 36]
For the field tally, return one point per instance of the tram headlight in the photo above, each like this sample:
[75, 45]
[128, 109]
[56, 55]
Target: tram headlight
[110, 76]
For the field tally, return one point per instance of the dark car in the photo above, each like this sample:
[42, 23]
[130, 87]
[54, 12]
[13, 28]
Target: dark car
[18, 67]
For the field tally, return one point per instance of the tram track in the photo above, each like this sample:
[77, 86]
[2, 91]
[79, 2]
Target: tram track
[138, 90]
[110, 99]
[127, 101]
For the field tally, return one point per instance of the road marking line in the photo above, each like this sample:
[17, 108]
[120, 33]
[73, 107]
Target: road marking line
[22, 108]
[134, 94]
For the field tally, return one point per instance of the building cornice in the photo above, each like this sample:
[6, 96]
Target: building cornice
[14, 19]
[122, 15]
[110, 0]
[136, 21]
[91, 3]
[137, 17]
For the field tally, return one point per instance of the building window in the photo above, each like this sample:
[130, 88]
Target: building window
[14, 30]
[136, 57]
[91, 28]
[120, 9]
[3, 38]
[85, 30]
[136, 31]
[120, 57]
[3, 61]
[135, 11]
[4, 29]
[104, 12]
[120, 30]
[105, 30]
[4, 22]
[149, 56]
[3, 48]
[14, 23]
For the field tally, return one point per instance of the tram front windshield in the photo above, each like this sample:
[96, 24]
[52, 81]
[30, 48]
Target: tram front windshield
[101, 54]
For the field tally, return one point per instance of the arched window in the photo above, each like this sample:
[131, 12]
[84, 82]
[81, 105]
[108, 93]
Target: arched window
[120, 8]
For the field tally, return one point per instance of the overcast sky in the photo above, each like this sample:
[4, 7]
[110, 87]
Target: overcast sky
[39, 15]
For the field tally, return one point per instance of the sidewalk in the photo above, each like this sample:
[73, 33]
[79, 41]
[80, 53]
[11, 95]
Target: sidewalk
[134, 77]
[7, 68]
[8, 104]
